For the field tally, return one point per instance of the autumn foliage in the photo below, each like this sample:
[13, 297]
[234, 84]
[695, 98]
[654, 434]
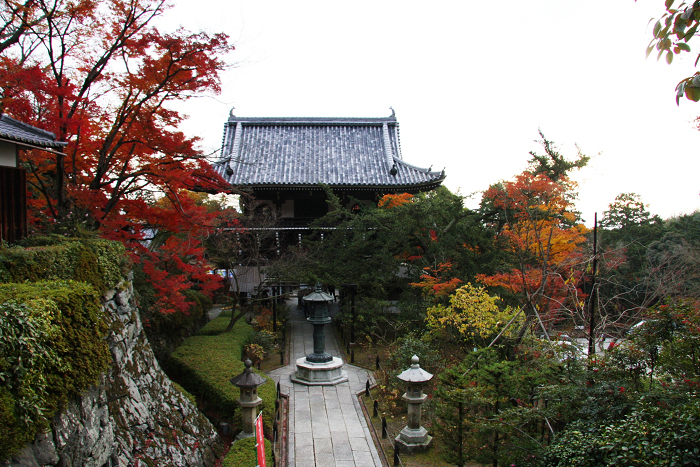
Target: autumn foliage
[393, 200]
[543, 235]
[104, 79]
[472, 315]
[438, 281]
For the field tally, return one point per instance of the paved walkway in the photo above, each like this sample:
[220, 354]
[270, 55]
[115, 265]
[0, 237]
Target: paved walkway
[326, 424]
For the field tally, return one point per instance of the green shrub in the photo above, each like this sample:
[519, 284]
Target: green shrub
[265, 339]
[177, 323]
[80, 353]
[189, 396]
[166, 331]
[204, 364]
[51, 348]
[200, 302]
[98, 262]
[653, 434]
[13, 434]
[52, 328]
[243, 454]
[26, 333]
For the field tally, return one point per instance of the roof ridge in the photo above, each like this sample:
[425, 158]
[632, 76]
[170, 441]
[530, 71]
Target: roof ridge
[314, 120]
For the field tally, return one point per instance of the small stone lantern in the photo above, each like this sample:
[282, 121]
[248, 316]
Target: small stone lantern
[414, 438]
[248, 383]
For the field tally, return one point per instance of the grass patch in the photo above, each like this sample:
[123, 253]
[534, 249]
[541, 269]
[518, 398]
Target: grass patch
[243, 454]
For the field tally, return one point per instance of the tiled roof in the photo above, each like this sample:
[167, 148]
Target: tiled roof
[14, 130]
[303, 152]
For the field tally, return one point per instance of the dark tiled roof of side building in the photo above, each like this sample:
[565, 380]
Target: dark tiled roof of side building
[19, 132]
[303, 152]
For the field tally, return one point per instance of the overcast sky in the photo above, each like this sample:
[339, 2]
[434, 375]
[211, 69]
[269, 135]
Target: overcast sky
[471, 84]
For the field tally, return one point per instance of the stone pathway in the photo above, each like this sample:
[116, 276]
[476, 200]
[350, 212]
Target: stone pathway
[326, 424]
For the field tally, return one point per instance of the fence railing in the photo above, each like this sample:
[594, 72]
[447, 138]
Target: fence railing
[386, 434]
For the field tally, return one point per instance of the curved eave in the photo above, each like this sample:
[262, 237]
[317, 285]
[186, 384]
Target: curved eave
[15, 131]
[425, 186]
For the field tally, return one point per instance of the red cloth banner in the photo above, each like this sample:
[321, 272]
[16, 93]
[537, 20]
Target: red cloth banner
[260, 441]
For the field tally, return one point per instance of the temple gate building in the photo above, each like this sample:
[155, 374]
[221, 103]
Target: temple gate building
[283, 162]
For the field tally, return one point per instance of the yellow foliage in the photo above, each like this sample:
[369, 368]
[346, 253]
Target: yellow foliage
[472, 312]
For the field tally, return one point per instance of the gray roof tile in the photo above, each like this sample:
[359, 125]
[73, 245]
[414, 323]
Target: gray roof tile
[302, 152]
[24, 133]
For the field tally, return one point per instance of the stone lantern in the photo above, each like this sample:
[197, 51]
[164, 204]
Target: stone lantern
[319, 368]
[413, 437]
[248, 383]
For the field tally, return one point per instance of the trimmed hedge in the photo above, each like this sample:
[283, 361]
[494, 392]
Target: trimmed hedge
[204, 364]
[218, 324]
[243, 454]
[101, 263]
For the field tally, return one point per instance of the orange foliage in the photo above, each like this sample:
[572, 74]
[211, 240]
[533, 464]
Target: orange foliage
[542, 233]
[393, 200]
[434, 282]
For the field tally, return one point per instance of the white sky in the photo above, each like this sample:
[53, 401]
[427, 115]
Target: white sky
[471, 83]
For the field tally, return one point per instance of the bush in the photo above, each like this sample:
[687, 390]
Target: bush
[651, 435]
[265, 339]
[204, 364]
[200, 303]
[166, 331]
[26, 332]
[243, 454]
[80, 348]
[218, 324]
[52, 348]
[101, 263]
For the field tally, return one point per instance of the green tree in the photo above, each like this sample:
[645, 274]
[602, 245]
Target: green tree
[627, 210]
[385, 248]
[625, 278]
[553, 164]
[491, 409]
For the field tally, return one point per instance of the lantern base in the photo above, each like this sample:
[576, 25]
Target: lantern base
[320, 374]
[319, 357]
[413, 441]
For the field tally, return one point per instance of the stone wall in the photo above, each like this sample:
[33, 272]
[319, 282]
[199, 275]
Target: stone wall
[134, 417]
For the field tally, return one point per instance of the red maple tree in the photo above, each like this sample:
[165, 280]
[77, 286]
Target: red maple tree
[103, 78]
